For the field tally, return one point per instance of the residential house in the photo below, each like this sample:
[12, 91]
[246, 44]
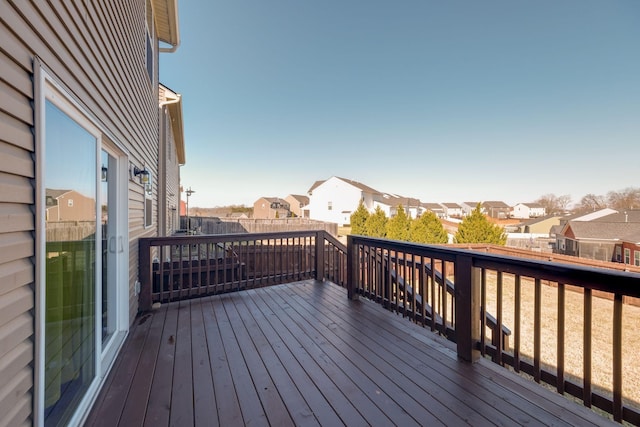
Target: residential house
[528, 210]
[628, 250]
[436, 208]
[69, 205]
[454, 210]
[468, 207]
[171, 157]
[496, 209]
[270, 208]
[298, 205]
[412, 207]
[594, 239]
[557, 230]
[335, 199]
[79, 112]
[542, 225]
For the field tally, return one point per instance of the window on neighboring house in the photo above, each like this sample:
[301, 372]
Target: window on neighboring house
[70, 203]
[618, 253]
[330, 206]
[636, 258]
[627, 256]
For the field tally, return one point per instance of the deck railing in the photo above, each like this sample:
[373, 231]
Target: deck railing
[448, 290]
[180, 267]
[504, 308]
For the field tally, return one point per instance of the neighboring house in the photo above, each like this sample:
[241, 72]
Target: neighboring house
[79, 112]
[454, 210]
[436, 208]
[170, 158]
[628, 251]
[68, 205]
[468, 207]
[298, 205]
[270, 208]
[543, 225]
[528, 210]
[594, 239]
[496, 209]
[335, 199]
[412, 207]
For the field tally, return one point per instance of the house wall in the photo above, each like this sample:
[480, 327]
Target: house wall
[342, 196]
[261, 208]
[521, 211]
[169, 196]
[96, 50]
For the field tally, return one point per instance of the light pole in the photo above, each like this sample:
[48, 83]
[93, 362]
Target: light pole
[189, 192]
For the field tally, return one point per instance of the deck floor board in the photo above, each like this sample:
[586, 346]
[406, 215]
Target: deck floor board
[303, 354]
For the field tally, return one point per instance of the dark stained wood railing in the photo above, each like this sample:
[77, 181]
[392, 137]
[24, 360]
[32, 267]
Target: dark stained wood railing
[492, 306]
[180, 267]
[449, 289]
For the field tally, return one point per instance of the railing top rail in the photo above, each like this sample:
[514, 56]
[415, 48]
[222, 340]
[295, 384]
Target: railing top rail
[602, 279]
[214, 238]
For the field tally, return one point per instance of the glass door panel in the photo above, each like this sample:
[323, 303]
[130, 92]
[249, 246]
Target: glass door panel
[70, 272]
[111, 242]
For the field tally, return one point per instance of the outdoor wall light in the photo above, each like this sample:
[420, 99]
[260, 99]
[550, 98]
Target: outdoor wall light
[144, 174]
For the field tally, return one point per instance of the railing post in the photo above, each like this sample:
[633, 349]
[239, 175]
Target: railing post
[320, 255]
[144, 274]
[467, 303]
[352, 269]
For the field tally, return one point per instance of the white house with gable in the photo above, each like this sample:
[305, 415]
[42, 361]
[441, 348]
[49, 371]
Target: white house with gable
[335, 199]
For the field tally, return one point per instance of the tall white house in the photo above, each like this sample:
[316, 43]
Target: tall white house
[335, 199]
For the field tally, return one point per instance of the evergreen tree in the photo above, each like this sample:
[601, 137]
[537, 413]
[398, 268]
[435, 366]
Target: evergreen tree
[427, 228]
[476, 228]
[359, 219]
[398, 226]
[376, 224]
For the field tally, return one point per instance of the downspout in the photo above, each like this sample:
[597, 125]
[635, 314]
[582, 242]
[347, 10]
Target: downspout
[171, 49]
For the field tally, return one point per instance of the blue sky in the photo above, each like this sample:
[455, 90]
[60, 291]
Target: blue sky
[445, 101]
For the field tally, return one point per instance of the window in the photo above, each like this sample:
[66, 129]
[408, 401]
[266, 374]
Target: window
[627, 256]
[330, 206]
[636, 258]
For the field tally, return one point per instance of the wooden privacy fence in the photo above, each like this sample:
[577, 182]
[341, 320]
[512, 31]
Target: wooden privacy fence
[415, 280]
[181, 267]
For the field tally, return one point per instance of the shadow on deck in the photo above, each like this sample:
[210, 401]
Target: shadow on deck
[303, 354]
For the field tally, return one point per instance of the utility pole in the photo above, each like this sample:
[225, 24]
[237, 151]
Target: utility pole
[189, 192]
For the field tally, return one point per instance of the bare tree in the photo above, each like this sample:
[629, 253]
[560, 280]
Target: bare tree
[629, 198]
[591, 202]
[553, 203]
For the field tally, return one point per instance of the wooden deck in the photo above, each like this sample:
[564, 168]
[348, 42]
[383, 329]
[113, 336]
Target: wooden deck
[303, 354]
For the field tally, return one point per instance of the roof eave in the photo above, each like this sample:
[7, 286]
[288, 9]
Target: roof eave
[167, 23]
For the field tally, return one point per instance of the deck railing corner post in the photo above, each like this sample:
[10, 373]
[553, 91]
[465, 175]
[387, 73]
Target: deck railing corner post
[352, 269]
[320, 255]
[467, 308]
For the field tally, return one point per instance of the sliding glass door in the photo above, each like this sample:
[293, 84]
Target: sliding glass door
[84, 310]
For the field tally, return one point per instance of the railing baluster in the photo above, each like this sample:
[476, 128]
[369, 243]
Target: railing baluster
[433, 294]
[517, 321]
[537, 329]
[498, 327]
[483, 308]
[617, 357]
[586, 372]
[560, 339]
